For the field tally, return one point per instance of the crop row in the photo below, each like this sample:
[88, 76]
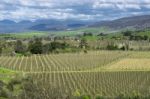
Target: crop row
[61, 62]
[93, 83]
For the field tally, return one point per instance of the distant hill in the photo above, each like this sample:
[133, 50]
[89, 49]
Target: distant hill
[134, 22]
[7, 22]
[8, 26]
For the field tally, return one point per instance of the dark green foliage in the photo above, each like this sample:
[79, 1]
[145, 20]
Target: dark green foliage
[83, 97]
[1, 84]
[133, 35]
[30, 91]
[20, 48]
[2, 91]
[112, 47]
[3, 94]
[146, 37]
[57, 45]
[36, 47]
[101, 34]
[12, 83]
[53, 46]
[46, 48]
[137, 37]
[122, 96]
[127, 33]
[87, 34]
[86, 97]
[30, 45]
[83, 43]
[123, 48]
[0, 50]
[99, 97]
[85, 51]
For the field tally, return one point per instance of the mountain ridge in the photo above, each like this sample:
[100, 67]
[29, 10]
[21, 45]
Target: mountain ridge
[133, 22]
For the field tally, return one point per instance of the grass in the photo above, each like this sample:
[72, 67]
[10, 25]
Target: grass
[24, 35]
[91, 38]
[80, 31]
[6, 75]
[146, 32]
[6, 71]
[131, 64]
[55, 33]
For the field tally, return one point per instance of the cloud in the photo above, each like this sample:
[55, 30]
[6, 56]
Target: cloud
[71, 9]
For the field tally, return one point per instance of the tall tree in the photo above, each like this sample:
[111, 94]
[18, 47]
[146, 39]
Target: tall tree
[36, 47]
[20, 48]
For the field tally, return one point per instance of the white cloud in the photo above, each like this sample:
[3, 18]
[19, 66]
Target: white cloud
[64, 9]
[102, 5]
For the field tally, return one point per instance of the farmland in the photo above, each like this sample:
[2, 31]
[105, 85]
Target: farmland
[23, 35]
[106, 73]
[61, 62]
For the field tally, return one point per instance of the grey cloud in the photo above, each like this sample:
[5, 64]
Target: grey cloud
[72, 9]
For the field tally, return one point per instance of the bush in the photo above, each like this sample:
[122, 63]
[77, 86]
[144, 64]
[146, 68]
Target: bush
[20, 48]
[85, 51]
[99, 97]
[3, 94]
[127, 33]
[36, 47]
[112, 47]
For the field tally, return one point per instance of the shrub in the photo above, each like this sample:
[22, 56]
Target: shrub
[20, 48]
[112, 47]
[36, 47]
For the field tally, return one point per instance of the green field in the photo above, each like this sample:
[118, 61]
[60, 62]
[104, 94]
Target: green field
[55, 33]
[110, 33]
[24, 35]
[106, 73]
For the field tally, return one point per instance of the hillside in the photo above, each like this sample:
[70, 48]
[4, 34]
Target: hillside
[134, 22]
[8, 26]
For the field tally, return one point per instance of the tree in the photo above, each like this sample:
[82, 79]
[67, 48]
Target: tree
[36, 47]
[1, 50]
[46, 48]
[127, 33]
[145, 37]
[87, 34]
[112, 47]
[20, 48]
[83, 43]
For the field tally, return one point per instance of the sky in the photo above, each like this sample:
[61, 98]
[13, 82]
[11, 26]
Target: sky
[87, 10]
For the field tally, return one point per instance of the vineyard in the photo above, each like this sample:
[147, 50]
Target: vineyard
[107, 73]
[93, 83]
[61, 62]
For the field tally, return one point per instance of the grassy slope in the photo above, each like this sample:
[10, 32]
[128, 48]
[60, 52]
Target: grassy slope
[57, 33]
[24, 35]
[72, 33]
[80, 31]
[144, 33]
